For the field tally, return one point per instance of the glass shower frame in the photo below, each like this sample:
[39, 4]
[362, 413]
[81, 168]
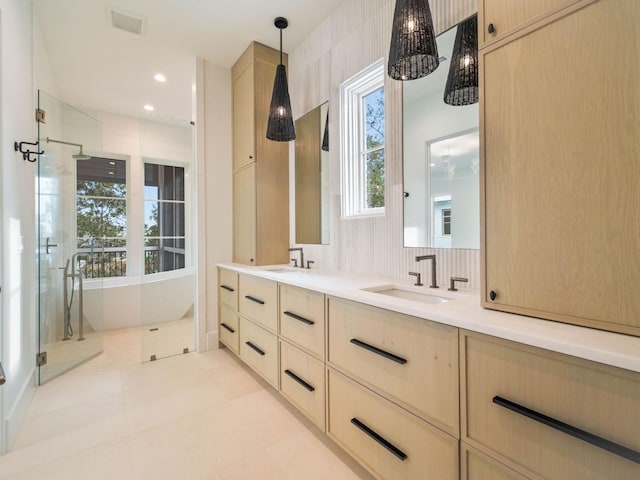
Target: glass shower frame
[63, 306]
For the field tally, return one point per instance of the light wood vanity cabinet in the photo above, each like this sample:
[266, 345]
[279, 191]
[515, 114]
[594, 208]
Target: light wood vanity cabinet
[302, 319]
[228, 288]
[258, 300]
[410, 360]
[259, 349]
[229, 328]
[386, 439]
[508, 386]
[560, 196]
[497, 19]
[474, 465]
[302, 382]
[260, 166]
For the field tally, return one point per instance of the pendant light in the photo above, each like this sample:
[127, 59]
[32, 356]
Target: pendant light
[462, 82]
[413, 52]
[280, 127]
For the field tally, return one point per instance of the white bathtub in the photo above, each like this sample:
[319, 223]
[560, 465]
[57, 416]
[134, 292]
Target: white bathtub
[126, 302]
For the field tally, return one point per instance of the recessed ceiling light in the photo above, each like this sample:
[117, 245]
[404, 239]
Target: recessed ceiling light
[433, 164]
[160, 78]
[149, 108]
[112, 163]
[111, 173]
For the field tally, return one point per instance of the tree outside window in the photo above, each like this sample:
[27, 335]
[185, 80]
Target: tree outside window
[101, 217]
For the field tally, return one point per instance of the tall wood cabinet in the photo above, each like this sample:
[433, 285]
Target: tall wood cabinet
[260, 166]
[560, 111]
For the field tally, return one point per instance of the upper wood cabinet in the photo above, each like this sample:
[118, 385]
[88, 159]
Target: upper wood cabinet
[561, 203]
[260, 166]
[498, 18]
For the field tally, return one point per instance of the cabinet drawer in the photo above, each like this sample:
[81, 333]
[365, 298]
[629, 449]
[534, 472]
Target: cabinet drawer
[602, 401]
[259, 349]
[477, 466]
[384, 438]
[228, 288]
[302, 318]
[413, 361]
[302, 382]
[259, 300]
[509, 19]
[229, 332]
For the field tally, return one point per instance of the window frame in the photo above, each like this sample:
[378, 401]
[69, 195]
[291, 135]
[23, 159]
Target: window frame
[186, 238]
[353, 151]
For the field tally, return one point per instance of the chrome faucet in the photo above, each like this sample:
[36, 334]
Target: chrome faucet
[434, 283]
[453, 280]
[299, 249]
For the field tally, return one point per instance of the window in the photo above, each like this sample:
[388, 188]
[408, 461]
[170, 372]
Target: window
[363, 135]
[101, 217]
[446, 221]
[164, 218]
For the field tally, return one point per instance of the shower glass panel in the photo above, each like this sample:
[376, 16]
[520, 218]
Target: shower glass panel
[167, 293]
[70, 305]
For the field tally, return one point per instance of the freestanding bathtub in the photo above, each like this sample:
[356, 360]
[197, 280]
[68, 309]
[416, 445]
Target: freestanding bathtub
[126, 302]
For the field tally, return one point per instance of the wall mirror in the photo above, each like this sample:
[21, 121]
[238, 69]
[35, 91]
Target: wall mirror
[312, 177]
[440, 162]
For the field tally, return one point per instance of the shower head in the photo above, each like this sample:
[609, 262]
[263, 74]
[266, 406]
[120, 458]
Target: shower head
[81, 155]
[78, 156]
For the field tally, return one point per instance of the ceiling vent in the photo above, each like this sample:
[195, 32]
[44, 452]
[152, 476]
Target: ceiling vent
[126, 21]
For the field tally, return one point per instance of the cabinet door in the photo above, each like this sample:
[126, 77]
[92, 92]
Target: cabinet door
[506, 19]
[544, 411]
[477, 466]
[244, 215]
[243, 119]
[561, 201]
[386, 439]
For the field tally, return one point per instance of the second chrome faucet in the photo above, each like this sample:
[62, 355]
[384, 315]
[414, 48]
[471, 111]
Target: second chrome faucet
[434, 283]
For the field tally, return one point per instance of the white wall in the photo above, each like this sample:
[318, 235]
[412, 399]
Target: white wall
[213, 87]
[17, 269]
[354, 36]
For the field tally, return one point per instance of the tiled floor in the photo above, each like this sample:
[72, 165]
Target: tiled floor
[194, 416]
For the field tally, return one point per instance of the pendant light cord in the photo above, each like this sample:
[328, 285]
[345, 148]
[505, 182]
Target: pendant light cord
[280, 46]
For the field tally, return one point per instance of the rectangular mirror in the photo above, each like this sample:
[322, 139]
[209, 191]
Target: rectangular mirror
[312, 177]
[441, 158]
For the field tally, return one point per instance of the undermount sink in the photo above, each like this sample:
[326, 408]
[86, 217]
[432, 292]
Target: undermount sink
[408, 293]
[282, 269]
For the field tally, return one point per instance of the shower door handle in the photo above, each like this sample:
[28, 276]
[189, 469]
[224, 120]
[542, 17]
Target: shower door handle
[3, 379]
[48, 245]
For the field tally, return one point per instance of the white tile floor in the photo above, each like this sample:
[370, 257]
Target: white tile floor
[194, 416]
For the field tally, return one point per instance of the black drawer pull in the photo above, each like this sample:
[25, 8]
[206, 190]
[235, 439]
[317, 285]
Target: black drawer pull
[227, 327]
[252, 346]
[380, 352]
[254, 299]
[299, 318]
[570, 430]
[299, 380]
[228, 289]
[381, 440]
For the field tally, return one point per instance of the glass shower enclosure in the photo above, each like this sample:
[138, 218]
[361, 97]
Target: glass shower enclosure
[70, 326]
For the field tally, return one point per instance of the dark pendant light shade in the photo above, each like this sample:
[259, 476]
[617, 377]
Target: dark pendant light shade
[413, 52]
[325, 137]
[462, 82]
[280, 127]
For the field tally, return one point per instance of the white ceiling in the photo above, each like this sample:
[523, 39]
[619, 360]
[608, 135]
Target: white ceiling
[96, 66]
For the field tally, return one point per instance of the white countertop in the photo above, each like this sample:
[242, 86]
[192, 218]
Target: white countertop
[464, 311]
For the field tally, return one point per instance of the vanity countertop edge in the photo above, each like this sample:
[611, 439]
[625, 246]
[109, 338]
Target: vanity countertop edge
[464, 312]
